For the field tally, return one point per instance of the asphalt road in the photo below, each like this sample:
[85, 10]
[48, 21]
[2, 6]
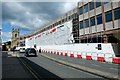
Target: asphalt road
[12, 68]
[50, 69]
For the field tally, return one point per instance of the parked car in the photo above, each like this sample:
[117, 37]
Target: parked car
[22, 50]
[30, 52]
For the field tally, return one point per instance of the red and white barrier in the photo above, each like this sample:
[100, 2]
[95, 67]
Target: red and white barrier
[116, 60]
[100, 57]
[87, 55]
[84, 55]
[108, 57]
[79, 55]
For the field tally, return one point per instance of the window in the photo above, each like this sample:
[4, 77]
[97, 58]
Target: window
[86, 8]
[91, 5]
[86, 23]
[81, 10]
[106, 1]
[117, 14]
[69, 17]
[62, 20]
[92, 21]
[81, 24]
[99, 19]
[98, 4]
[108, 16]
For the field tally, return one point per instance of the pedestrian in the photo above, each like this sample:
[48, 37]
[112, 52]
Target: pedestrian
[40, 50]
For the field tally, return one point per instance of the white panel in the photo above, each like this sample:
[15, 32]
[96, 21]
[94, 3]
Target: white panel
[80, 17]
[86, 30]
[98, 10]
[85, 2]
[92, 13]
[115, 4]
[80, 4]
[108, 26]
[117, 24]
[81, 31]
[107, 7]
[100, 28]
[93, 29]
[86, 15]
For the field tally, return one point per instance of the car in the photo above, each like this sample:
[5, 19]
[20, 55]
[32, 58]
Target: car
[30, 52]
[22, 50]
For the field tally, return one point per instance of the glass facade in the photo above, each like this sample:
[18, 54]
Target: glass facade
[99, 19]
[86, 8]
[81, 24]
[108, 16]
[106, 1]
[91, 5]
[98, 4]
[81, 10]
[92, 21]
[117, 14]
[86, 23]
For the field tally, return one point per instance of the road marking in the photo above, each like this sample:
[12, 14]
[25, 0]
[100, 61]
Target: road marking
[114, 69]
[96, 65]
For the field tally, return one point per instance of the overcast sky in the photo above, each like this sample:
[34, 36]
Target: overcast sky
[29, 16]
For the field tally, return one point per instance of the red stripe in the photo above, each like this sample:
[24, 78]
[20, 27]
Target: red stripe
[39, 35]
[57, 53]
[79, 56]
[89, 57]
[61, 53]
[53, 30]
[116, 60]
[101, 59]
[72, 55]
[66, 54]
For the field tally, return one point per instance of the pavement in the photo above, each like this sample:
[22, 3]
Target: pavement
[12, 68]
[100, 68]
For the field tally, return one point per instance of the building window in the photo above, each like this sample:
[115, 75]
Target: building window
[92, 21]
[98, 4]
[81, 10]
[91, 5]
[106, 1]
[108, 16]
[62, 20]
[117, 14]
[99, 19]
[86, 8]
[86, 23]
[15, 35]
[81, 24]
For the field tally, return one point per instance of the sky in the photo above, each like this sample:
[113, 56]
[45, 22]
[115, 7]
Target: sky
[29, 16]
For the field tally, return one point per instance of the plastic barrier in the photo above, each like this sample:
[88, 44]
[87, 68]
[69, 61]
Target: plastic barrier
[75, 54]
[66, 54]
[61, 53]
[89, 57]
[84, 55]
[101, 59]
[72, 55]
[116, 60]
[108, 57]
[54, 52]
[79, 56]
[57, 53]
